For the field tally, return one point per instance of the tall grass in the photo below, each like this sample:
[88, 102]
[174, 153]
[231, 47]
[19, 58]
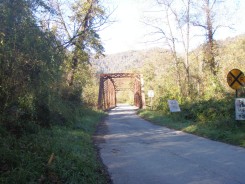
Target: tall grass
[24, 158]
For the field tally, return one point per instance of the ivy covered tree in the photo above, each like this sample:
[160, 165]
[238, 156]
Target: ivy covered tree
[212, 16]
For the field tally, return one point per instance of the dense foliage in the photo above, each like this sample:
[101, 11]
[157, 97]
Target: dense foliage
[35, 62]
[40, 111]
[30, 65]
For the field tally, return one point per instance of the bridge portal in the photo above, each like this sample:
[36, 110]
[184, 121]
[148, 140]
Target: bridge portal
[111, 83]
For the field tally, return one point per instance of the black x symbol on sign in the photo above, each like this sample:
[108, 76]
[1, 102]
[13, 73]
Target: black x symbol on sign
[236, 79]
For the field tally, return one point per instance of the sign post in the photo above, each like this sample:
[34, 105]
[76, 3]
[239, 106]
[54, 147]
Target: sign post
[151, 95]
[236, 80]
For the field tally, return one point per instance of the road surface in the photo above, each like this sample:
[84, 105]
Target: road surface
[138, 152]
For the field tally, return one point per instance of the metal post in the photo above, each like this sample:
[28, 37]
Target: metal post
[151, 103]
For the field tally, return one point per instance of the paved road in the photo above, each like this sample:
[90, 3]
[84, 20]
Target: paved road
[138, 152]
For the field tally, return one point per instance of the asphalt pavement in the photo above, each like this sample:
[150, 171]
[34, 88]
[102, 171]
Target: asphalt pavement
[137, 152]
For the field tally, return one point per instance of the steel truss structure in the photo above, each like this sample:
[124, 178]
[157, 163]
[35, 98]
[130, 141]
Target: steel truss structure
[111, 83]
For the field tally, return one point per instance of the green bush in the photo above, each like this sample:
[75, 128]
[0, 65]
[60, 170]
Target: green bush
[210, 111]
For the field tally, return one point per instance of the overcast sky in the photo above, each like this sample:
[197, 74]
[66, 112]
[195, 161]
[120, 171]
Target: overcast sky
[129, 33]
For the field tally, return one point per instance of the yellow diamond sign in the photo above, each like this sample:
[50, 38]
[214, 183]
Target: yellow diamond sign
[236, 79]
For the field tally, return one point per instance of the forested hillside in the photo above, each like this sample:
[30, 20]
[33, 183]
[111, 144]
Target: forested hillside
[127, 61]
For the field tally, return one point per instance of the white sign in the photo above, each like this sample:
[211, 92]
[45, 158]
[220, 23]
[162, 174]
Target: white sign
[173, 106]
[240, 108]
[150, 93]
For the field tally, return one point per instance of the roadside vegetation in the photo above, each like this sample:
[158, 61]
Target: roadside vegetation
[207, 103]
[209, 121]
[48, 92]
[59, 154]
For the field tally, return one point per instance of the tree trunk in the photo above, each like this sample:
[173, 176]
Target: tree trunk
[210, 53]
[70, 76]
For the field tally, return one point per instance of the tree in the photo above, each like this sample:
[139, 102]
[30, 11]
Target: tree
[173, 28]
[213, 16]
[78, 24]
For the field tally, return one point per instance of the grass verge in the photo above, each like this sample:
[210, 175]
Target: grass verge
[228, 133]
[59, 154]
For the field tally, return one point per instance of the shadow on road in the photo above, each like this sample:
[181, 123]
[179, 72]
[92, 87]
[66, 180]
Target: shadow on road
[136, 151]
